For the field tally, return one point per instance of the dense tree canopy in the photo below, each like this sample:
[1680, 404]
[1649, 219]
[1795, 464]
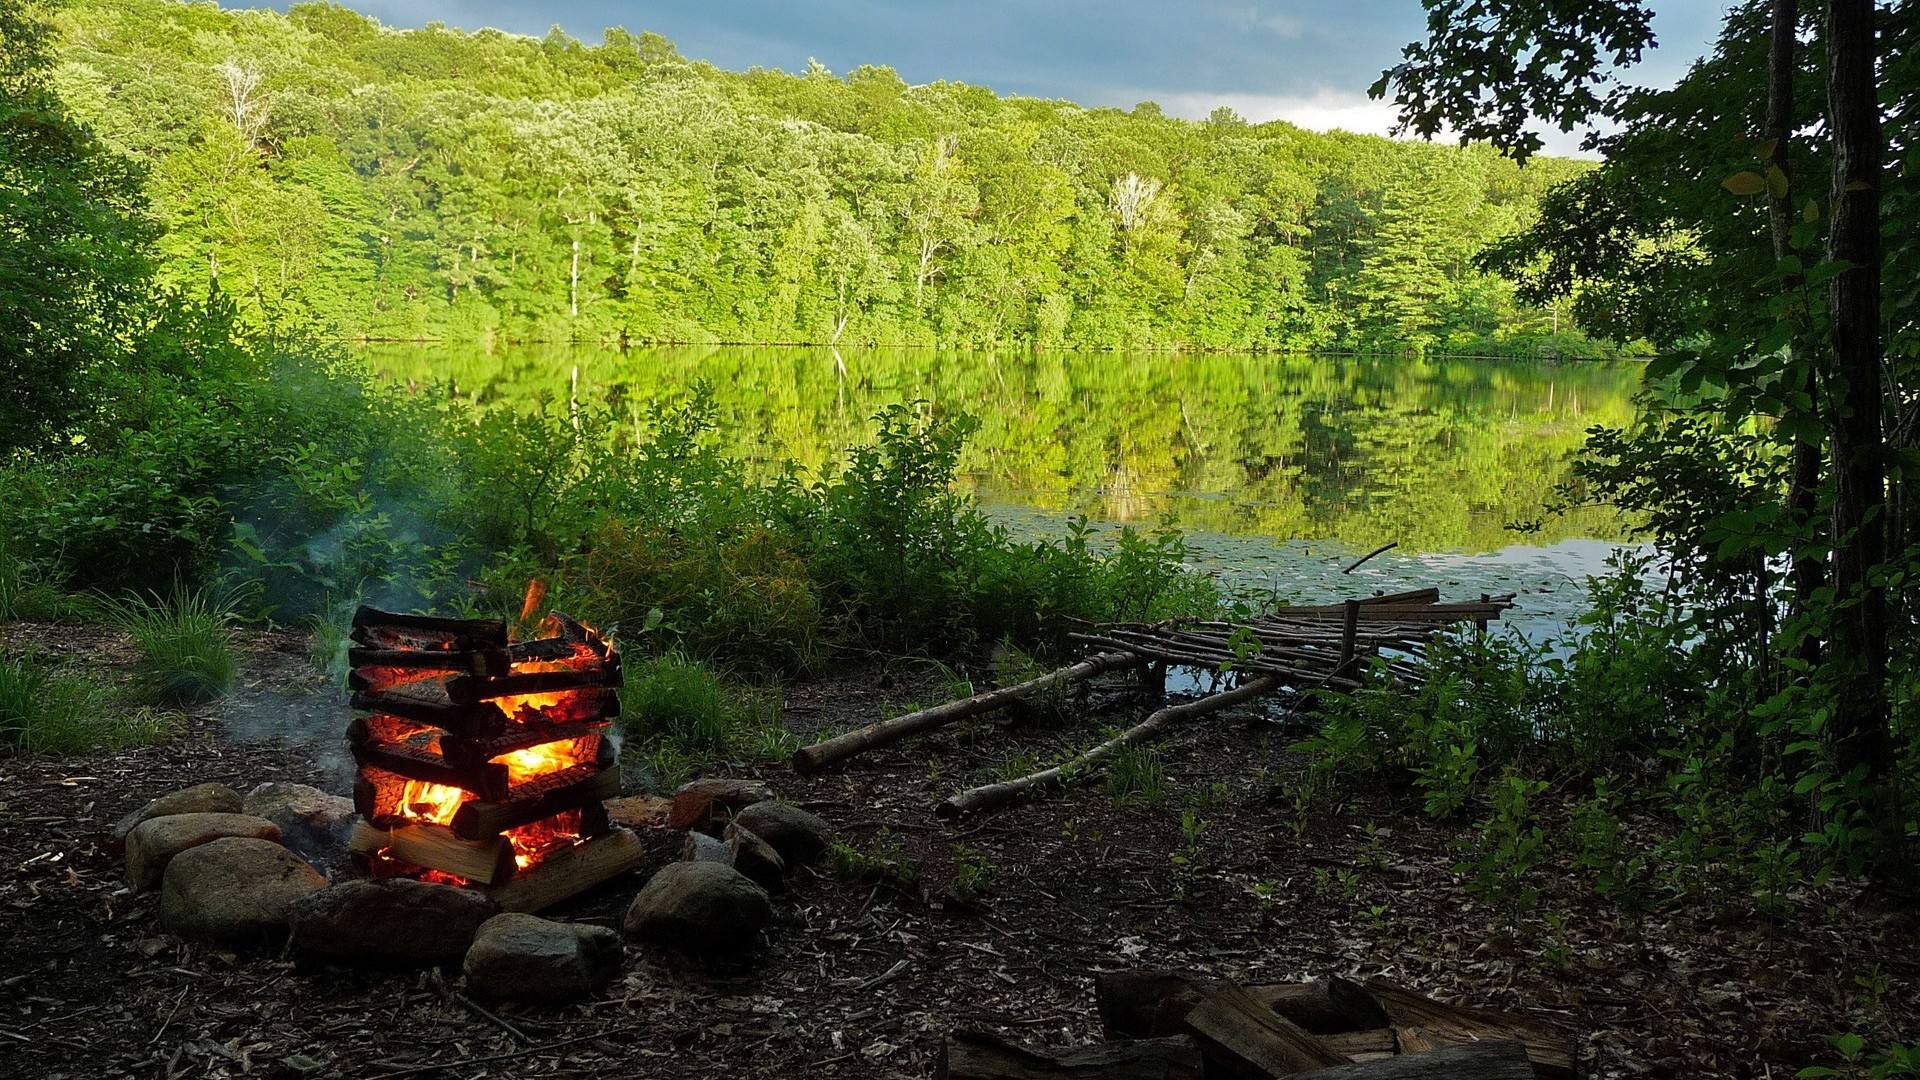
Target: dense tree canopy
[73, 245]
[436, 182]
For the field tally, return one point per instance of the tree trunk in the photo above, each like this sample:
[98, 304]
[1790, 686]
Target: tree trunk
[1803, 492]
[573, 285]
[1861, 737]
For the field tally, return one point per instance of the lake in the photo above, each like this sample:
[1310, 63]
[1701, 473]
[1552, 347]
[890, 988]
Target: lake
[1281, 469]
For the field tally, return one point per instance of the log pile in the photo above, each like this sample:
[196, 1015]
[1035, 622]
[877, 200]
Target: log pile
[1175, 1026]
[484, 761]
[1289, 649]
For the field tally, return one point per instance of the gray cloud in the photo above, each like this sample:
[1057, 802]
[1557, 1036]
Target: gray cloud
[1304, 60]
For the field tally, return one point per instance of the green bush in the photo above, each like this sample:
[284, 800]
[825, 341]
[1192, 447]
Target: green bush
[185, 642]
[46, 711]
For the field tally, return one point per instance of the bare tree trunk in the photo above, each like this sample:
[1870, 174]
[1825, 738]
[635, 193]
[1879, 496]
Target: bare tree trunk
[1803, 492]
[573, 286]
[1861, 736]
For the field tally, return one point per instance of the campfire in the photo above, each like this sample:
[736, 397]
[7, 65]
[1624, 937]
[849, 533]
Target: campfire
[483, 761]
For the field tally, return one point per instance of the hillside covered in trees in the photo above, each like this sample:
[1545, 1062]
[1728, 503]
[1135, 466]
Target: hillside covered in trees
[329, 171]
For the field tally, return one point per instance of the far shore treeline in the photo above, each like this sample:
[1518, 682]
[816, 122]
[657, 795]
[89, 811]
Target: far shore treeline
[435, 183]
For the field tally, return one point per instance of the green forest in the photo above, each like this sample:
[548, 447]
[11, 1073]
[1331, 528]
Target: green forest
[434, 183]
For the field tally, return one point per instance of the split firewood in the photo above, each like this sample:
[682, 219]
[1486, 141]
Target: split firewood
[1146, 1003]
[973, 1055]
[1474, 1061]
[574, 870]
[1550, 1050]
[1242, 1038]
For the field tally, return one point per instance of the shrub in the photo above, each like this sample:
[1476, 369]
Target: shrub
[183, 637]
[679, 700]
[51, 712]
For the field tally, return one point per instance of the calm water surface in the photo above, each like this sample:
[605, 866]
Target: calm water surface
[1281, 469]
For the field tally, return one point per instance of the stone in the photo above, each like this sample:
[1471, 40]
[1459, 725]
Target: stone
[156, 841]
[198, 799]
[234, 891]
[527, 958]
[703, 848]
[700, 907]
[706, 804]
[312, 822]
[394, 923]
[797, 835]
[756, 859]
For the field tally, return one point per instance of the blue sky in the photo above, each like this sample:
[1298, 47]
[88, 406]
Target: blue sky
[1307, 61]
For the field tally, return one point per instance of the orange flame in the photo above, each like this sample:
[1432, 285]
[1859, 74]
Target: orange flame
[536, 595]
[433, 803]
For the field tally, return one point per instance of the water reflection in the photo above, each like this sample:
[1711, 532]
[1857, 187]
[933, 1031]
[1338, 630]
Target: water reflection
[1276, 465]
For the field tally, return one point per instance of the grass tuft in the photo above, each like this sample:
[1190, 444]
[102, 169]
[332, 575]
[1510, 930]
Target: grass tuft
[1136, 775]
[186, 648]
[46, 711]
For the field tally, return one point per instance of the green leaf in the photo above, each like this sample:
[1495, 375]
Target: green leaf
[1745, 183]
[1777, 183]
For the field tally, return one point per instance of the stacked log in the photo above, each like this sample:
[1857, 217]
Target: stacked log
[485, 760]
[1163, 1025]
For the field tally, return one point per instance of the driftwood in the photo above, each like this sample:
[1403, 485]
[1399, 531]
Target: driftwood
[991, 795]
[1240, 1037]
[1547, 1047]
[1146, 1003]
[821, 754]
[1505, 1060]
[972, 1055]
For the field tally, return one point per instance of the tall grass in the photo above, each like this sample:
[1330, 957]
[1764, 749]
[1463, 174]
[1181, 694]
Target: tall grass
[186, 646]
[46, 711]
[26, 590]
[681, 716]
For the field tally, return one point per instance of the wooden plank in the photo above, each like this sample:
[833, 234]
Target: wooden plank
[1479, 1061]
[974, 1055]
[1550, 1049]
[1243, 1038]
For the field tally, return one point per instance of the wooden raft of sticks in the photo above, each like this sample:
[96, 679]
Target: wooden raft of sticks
[1296, 649]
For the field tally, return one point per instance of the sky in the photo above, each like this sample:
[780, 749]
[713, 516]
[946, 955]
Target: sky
[1306, 61]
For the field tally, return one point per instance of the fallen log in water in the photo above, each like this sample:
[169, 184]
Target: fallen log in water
[821, 754]
[1152, 727]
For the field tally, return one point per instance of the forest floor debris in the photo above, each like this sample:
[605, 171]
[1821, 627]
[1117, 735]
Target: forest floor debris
[914, 926]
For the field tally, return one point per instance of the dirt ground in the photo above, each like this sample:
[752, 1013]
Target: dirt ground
[861, 978]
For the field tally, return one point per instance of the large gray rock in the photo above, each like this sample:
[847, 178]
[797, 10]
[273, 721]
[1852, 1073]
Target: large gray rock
[700, 907]
[527, 958]
[235, 890]
[797, 835]
[706, 804]
[700, 847]
[312, 822]
[756, 859]
[395, 923]
[198, 799]
[157, 841]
